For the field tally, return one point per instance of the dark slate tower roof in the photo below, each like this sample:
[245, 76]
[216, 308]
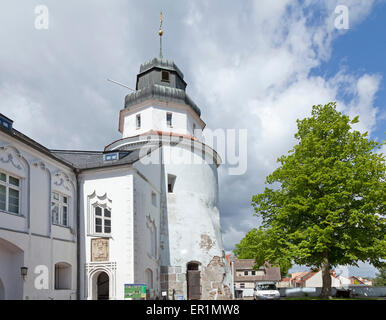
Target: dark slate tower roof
[162, 80]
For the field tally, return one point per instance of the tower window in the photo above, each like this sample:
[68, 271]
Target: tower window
[138, 121]
[169, 119]
[165, 76]
[154, 198]
[171, 182]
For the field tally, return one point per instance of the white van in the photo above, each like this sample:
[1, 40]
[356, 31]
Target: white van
[266, 291]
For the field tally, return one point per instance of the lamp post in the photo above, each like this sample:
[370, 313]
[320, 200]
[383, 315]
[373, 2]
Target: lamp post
[24, 272]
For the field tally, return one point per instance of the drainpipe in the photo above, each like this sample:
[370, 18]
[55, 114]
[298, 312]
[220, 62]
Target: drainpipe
[77, 234]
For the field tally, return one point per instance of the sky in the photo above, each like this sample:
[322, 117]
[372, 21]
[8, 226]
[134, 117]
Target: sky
[255, 65]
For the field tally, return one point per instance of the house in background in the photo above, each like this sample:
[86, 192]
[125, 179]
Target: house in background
[313, 279]
[245, 277]
[284, 283]
[359, 281]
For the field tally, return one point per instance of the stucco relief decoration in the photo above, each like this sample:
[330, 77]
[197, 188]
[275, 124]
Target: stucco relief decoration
[11, 155]
[100, 249]
[39, 164]
[60, 179]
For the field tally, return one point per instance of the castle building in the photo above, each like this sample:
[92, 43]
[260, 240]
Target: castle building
[145, 210]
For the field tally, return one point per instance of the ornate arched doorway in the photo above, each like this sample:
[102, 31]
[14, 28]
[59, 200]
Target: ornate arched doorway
[103, 284]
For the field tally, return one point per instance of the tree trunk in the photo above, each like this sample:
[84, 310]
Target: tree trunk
[326, 277]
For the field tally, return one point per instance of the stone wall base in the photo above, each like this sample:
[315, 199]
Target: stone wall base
[174, 281]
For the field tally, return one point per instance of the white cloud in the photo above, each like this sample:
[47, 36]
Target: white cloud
[247, 63]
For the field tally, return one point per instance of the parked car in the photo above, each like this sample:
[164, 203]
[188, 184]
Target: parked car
[266, 291]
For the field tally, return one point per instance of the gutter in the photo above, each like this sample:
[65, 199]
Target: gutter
[76, 171]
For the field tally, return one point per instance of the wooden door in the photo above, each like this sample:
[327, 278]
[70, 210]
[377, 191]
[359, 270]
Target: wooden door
[194, 287]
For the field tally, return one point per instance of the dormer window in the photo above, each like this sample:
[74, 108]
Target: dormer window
[165, 77]
[169, 119]
[138, 121]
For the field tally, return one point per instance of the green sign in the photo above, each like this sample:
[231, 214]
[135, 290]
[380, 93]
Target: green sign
[135, 291]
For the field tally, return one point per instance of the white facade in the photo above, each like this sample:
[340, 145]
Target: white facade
[28, 238]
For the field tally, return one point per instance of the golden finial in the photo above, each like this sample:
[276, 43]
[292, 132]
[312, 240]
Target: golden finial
[160, 33]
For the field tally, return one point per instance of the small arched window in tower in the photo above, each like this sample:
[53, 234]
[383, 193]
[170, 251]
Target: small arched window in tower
[165, 77]
[138, 121]
[169, 119]
[171, 182]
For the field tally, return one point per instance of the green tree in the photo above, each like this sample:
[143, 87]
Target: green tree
[380, 279]
[328, 204]
[264, 246]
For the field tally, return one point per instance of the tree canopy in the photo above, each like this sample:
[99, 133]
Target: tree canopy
[328, 204]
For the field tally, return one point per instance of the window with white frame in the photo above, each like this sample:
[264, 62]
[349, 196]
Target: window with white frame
[59, 209]
[102, 220]
[9, 193]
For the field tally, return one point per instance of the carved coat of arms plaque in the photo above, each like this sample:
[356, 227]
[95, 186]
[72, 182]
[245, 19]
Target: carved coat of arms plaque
[100, 249]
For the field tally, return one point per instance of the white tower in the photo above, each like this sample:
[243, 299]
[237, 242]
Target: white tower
[161, 115]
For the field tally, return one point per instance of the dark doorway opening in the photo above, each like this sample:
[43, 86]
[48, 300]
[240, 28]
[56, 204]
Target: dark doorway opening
[103, 283]
[194, 281]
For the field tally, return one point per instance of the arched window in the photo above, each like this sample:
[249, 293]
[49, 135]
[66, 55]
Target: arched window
[102, 220]
[62, 276]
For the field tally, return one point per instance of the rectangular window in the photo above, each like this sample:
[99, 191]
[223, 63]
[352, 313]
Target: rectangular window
[171, 182]
[245, 273]
[165, 76]
[59, 209]
[138, 121]
[242, 285]
[9, 193]
[169, 119]
[253, 273]
[102, 220]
